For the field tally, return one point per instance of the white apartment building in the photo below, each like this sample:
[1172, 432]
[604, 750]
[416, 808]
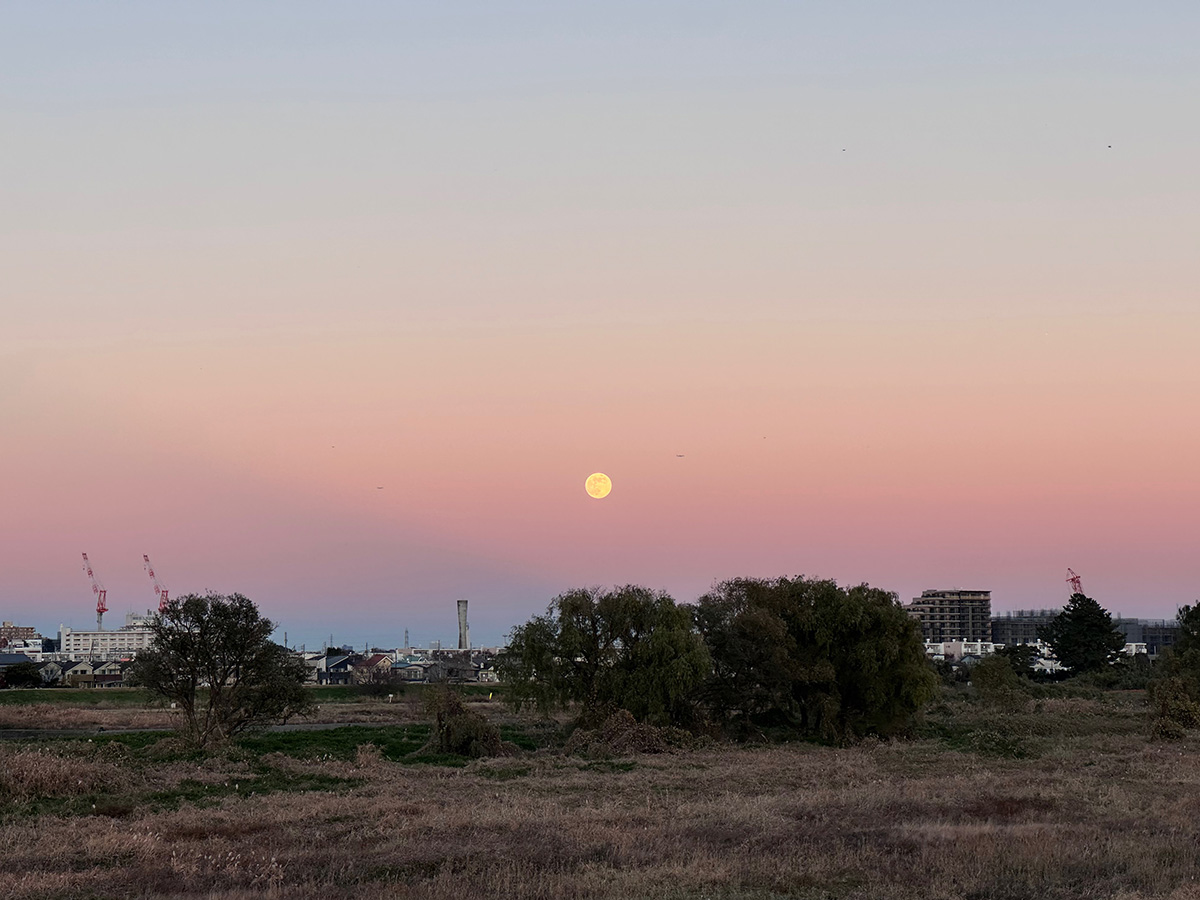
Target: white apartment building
[126, 641]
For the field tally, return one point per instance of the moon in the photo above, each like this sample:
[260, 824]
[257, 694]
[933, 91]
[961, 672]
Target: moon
[598, 485]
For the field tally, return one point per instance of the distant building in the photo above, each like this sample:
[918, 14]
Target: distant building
[1156, 634]
[1021, 626]
[953, 615]
[123, 642]
[959, 651]
[11, 634]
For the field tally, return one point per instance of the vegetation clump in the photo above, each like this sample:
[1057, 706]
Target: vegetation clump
[812, 658]
[1173, 711]
[212, 656]
[628, 648]
[1175, 697]
[622, 735]
[458, 730]
[21, 675]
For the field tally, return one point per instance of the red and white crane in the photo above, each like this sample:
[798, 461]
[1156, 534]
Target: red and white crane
[1075, 581]
[99, 591]
[159, 590]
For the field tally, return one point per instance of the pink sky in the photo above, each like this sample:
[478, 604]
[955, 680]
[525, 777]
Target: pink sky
[979, 453]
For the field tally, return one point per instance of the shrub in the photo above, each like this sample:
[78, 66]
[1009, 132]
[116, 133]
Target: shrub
[458, 730]
[621, 734]
[1172, 709]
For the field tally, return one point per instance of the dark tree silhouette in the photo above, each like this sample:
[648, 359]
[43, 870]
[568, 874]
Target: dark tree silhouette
[811, 657]
[212, 656]
[627, 648]
[1082, 636]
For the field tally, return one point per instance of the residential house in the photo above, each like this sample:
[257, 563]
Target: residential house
[338, 670]
[410, 671]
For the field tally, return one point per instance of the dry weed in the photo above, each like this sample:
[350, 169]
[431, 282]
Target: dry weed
[25, 774]
[1096, 815]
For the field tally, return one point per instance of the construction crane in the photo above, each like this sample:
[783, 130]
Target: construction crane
[159, 591]
[1075, 581]
[99, 591]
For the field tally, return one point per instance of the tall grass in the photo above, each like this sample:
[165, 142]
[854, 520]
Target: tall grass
[1091, 807]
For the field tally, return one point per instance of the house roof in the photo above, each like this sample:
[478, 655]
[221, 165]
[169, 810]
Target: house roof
[12, 659]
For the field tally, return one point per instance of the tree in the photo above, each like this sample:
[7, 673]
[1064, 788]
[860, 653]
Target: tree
[23, 675]
[1183, 659]
[1175, 695]
[1082, 636]
[1022, 658]
[212, 656]
[626, 648]
[813, 658]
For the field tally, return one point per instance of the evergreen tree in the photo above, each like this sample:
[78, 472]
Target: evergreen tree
[1082, 636]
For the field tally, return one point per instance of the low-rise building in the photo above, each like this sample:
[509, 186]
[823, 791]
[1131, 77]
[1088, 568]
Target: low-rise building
[410, 671]
[956, 651]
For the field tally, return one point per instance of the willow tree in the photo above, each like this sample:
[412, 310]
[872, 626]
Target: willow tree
[601, 650]
[810, 657]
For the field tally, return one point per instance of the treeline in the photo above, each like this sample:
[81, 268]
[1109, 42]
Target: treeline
[800, 656]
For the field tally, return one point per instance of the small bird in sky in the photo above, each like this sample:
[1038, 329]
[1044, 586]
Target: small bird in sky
[679, 456]
[380, 488]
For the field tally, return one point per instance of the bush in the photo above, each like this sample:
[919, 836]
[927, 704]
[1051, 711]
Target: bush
[997, 683]
[458, 730]
[621, 734]
[1173, 711]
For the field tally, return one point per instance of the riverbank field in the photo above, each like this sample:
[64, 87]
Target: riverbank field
[1061, 796]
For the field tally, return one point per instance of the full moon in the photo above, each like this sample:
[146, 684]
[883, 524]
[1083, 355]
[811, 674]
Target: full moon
[598, 485]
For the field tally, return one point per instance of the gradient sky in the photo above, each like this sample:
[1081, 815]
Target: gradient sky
[913, 289]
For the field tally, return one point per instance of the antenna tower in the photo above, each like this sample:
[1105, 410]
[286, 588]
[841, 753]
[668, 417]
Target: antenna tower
[99, 591]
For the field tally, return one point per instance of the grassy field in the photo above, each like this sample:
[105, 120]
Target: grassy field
[1061, 796]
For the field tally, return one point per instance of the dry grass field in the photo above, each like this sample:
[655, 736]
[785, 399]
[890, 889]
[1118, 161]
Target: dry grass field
[1063, 797]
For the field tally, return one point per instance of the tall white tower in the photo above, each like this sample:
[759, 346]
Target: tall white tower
[464, 634]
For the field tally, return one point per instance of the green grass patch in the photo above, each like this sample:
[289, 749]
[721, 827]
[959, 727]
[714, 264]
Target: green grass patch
[267, 781]
[516, 735]
[394, 742]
